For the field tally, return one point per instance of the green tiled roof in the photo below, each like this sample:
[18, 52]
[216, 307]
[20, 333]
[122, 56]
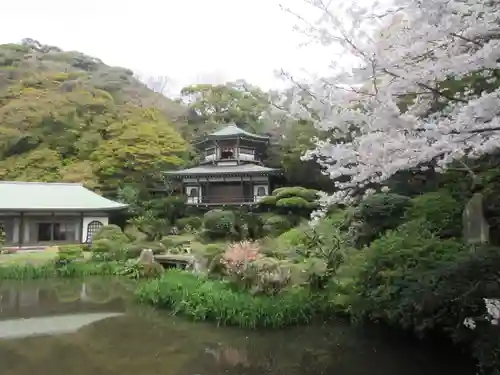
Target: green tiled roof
[211, 169]
[233, 131]
[38, 196]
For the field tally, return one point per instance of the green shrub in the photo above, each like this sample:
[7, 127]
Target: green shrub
[105, 250]
[412, 279]
[376, 214]
[192, 222]
[213, 300]
[391, 274]
[268, 201]
[68, 253]
[134, 234]
[274, 225]
[112, 233]
[295, 203]
[219, 223]
[292, 238]
[308, 195]
[441, 213]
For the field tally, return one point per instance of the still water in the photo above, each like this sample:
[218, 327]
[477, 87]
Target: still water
[94, 328]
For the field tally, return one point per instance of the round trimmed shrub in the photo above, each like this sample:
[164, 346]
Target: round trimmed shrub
[112, 233]
[219, 223]
[193, 222]
[275, 225]
[296, 191]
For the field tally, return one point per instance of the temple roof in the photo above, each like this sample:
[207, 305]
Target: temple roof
[234, 131]
[47, 196]
[211, 169]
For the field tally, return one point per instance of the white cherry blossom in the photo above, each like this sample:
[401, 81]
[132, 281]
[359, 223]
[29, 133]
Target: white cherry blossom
[402, 53]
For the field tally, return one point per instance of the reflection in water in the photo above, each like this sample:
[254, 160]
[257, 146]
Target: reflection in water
[108, 335]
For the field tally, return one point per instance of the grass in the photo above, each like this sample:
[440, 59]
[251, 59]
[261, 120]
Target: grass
[31, 257]
[213, 300]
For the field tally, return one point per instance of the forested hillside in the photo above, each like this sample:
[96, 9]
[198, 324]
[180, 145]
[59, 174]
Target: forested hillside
[65, 116]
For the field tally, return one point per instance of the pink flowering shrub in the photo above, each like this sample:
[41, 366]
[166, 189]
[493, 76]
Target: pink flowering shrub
[237, 259]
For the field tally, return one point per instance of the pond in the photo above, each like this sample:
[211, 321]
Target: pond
[70, 327]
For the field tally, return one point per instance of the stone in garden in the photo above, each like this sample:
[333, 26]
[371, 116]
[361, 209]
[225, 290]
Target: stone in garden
[476, 229]
[147, 261]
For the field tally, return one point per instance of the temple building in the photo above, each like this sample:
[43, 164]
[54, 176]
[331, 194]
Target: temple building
[41, 214]
[231, 170]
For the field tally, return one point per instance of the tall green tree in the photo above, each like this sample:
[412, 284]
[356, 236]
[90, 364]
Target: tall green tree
[233, 102]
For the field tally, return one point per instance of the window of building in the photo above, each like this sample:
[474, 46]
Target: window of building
[92, 228]
[227, 153]
[193, 193]
[261, 191]
[56, 232]
[44, 232]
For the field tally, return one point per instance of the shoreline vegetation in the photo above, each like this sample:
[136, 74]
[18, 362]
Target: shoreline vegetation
[393, 260]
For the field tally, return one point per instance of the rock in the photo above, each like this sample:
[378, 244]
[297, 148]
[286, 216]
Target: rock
[148, 263]
[476, 229]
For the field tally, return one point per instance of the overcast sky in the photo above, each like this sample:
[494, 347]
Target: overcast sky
[186, 40]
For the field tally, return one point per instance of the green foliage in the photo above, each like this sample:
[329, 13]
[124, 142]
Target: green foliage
[309, 195]
[376, 214]
[202, 299]
[69, 117]
[439, 212]
[110, 232]
[192, 222]
[269, 201]
[289, 145]
[212, 105]
[219, 223]
[275, 225]
[152, 226]
[391, 272]
[105, 249]
[412, 279]
[69, 253]
[297, 199]
[51, 270]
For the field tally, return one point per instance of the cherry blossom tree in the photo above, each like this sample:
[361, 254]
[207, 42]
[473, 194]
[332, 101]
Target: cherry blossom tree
[423, 85]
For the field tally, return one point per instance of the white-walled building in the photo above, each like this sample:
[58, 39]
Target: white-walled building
[39, 214]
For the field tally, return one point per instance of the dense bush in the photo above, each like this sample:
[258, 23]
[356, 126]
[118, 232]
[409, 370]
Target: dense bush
[392, 270]
[296, 199]
[203, 299]
[69, 253]
[191, 222]
[274, 225]
[376, 214]
[112, 233]
[308, 195]
[219, 223]
[439, 211]
[415, 280]
[104, 250]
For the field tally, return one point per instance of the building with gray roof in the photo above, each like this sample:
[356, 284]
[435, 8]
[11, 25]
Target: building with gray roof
[231, 171]
[39, 214]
